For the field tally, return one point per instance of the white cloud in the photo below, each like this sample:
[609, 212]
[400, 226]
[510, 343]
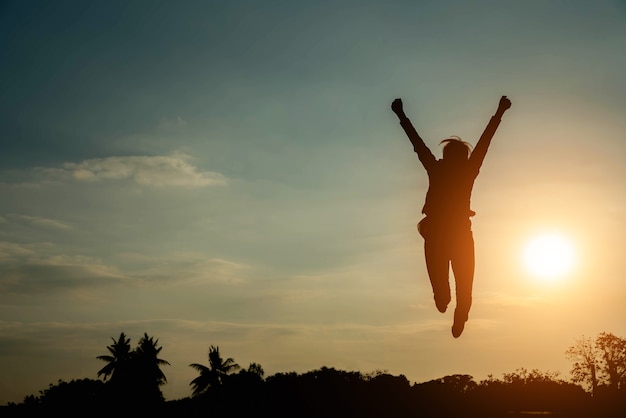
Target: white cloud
[159, 171]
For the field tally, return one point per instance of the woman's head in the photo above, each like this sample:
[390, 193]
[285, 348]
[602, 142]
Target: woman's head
[455, 149]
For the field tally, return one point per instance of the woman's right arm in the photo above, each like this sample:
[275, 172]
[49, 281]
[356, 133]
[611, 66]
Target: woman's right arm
[426, 157]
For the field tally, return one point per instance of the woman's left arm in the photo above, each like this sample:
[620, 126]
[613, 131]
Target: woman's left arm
[478, 155]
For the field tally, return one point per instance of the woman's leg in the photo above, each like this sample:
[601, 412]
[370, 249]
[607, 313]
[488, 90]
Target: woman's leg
[438, 266]
[463, 268]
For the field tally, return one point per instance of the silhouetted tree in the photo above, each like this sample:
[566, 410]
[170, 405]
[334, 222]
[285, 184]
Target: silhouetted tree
[460, 383]
[534, 390]
[324, 392]
[389, 395]
[147, 368]
[584, 356]
[448, 396]
[118, 361]
[256, 369]
[135, 376]
[77, 398]
[212, 376]
[599, 363]
[246, 380]
[612, 350]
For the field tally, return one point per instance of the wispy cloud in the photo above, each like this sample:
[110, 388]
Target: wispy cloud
[10, 250]
[172, 123]
[173, 170]
[37, 221]
[217, 270]
[191, 268]
[25, 269]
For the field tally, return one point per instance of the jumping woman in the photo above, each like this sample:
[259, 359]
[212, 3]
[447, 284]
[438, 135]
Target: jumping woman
[446, 227]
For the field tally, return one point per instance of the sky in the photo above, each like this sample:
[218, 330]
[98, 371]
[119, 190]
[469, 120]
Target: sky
[231, 174]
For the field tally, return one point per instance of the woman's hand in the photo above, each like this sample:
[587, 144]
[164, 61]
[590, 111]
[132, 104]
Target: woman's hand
[396, 106]
[504, 104]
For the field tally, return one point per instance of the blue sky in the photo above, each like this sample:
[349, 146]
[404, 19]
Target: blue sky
[230, 173]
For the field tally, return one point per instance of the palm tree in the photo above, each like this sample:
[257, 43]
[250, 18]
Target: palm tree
[147, 373]
[147, 354]
[213, 375]
[117, 362]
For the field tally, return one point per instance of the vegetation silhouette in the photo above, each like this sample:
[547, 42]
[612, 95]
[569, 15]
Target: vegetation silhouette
[134, 377]
[215, 374]
[73, 399]
[118, 362]
[131, 378]
[446, 228]
[600, 364]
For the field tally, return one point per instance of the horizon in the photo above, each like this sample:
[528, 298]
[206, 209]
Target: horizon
[233, 175]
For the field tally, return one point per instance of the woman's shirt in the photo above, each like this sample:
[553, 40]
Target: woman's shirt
[450, 184]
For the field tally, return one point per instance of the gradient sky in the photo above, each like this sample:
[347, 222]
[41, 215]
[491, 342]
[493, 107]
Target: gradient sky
[231, 174]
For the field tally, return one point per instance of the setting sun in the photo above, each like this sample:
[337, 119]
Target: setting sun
[549, 256]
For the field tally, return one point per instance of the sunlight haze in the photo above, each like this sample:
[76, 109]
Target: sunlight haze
[549, 256]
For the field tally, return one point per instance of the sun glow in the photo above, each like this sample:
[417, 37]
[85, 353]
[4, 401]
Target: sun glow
[549, 256]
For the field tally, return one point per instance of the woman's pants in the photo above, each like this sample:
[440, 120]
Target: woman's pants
[449, 243]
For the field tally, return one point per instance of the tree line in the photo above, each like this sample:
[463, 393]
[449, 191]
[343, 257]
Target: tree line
[129, 385]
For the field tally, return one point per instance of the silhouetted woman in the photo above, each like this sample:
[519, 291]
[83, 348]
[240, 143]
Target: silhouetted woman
[447, 229]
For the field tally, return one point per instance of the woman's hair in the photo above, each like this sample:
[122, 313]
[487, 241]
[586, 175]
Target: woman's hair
[455, 148]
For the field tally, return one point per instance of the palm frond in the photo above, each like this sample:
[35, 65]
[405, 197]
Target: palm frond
[200, 367]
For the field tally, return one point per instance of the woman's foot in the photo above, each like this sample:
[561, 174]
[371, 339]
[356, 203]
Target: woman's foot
[457, 328]
[442, 303]
[459, 324]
